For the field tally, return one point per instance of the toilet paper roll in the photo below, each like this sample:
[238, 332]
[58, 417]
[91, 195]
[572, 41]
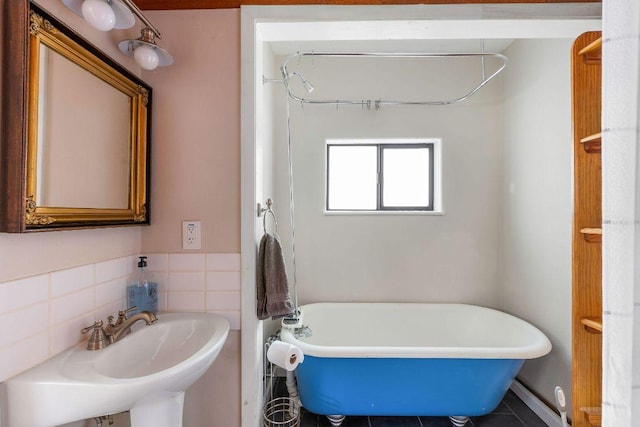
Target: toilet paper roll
[284, 355]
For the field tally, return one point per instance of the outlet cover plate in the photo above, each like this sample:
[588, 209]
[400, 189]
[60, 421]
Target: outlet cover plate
[191, 235]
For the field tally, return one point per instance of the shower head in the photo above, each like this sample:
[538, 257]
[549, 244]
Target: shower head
[307, 86]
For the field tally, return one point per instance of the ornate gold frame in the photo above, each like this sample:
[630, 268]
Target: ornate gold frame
[45, 31]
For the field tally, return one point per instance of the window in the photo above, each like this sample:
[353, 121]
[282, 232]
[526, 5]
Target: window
[381, 175]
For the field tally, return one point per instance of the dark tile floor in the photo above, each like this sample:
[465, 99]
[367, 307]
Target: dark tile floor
[511, 412]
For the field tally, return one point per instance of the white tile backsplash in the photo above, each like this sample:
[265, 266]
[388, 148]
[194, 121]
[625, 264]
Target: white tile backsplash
[186, 262]
[223, 300]
[23, 355]
[21, 324]
[111, 309]
[223, 280]
[186, 281]
[72, 279]
[223, 262]
[112, 291]
[69, 306]
[186, 301]
[47, 312]
[21, 293]
[67, 334]
[113, 269]
[157, 262]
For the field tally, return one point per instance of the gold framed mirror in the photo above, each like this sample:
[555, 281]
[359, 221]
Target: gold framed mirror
[85, 135]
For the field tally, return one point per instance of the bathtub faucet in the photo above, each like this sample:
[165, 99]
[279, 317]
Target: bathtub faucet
[302, 332]
[293, 322]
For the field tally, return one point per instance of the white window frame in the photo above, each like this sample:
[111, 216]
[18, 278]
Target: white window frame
[437, 174]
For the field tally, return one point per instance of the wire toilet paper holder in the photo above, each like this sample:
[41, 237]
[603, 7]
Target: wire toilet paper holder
[277, 411]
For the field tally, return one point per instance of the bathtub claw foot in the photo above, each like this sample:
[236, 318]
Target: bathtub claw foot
[336, 420]
[459, 421]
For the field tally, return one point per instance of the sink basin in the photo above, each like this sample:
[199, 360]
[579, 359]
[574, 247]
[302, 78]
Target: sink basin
[147, 372]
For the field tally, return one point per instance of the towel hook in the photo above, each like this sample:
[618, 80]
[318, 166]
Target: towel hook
[266, 211]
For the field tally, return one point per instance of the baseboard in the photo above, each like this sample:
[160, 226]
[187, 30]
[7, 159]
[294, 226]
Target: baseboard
[546, 414]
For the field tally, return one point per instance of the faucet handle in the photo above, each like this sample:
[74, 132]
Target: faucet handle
[98, 338]
[97, 324]
[123, 313]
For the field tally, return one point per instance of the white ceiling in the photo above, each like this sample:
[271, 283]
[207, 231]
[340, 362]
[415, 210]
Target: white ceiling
[420, 35]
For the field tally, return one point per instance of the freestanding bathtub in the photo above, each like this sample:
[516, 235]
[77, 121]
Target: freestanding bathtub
[392, 359]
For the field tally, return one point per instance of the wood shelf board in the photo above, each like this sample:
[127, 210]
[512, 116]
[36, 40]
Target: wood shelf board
[591, 138]
[592, 235]
[592, 143]
[591, 230]
[591, 47]
[593, 415]
[592, 324]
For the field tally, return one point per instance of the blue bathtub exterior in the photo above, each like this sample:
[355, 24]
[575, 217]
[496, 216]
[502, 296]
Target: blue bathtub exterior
[404, 386]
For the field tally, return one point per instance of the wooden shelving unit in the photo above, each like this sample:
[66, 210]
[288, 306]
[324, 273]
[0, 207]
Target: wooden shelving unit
[587, 236]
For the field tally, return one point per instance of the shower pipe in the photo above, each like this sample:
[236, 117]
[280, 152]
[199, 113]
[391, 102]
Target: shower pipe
[293, 319]
[382, 102]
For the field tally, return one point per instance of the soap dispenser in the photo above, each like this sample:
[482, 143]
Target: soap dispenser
[142, 292]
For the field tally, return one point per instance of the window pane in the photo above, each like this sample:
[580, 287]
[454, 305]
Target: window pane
[352, 175]
[406, 177]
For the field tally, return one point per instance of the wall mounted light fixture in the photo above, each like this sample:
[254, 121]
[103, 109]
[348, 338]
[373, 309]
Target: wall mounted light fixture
[105, 15]
[145, 50]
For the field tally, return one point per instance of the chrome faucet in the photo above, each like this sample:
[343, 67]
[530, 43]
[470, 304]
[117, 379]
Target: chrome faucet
[302, 332]
[115, 332]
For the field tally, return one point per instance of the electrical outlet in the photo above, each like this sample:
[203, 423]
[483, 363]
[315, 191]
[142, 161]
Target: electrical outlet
[191, 235]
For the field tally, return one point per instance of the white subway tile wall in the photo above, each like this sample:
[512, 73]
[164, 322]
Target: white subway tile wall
[186, 281]
[24, 292]
[48, 311]
[72, 279]
[187, 262]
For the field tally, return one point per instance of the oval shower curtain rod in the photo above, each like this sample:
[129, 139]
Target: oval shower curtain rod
[286, 75]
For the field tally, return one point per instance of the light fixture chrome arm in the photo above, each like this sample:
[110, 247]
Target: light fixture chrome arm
[134, 8]
[380, 102]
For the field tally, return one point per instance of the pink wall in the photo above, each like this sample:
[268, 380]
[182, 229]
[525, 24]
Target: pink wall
[196, 131]
[195, 176]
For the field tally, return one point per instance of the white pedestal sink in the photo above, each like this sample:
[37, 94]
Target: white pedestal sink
[147, 372]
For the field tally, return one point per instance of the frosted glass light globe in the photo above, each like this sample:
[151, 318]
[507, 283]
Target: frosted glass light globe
[146, 57]
[99, 14]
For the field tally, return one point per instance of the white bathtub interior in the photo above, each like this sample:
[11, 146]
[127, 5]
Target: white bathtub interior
[427, 330]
